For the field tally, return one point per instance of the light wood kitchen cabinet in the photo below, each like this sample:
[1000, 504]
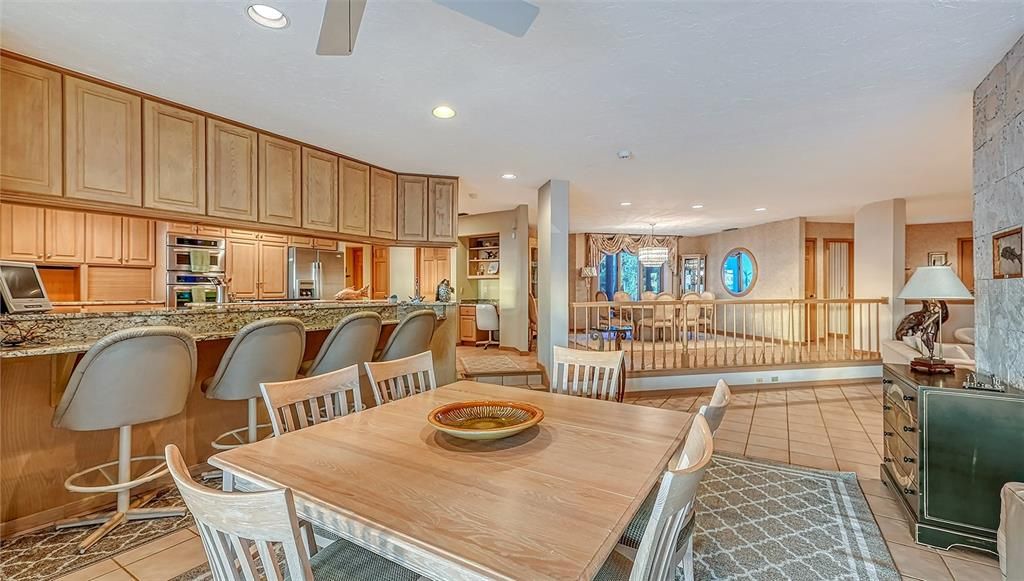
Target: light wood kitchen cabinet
[354, 198]
[22, 234]
[433, 266]
[174, 152]
[280, 181]
[30, 142]
[310, 242]
[412, 208]
[186, 228]
[319, 190]
[139, 242]
[383, 197]
[65, 236]
[231, 171]
[273, 270]
[242, 266]
[443, 209]
[468, 333]
[257, 269]
[104, 239]
[102, 143]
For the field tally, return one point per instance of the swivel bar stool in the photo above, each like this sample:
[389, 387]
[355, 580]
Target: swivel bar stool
[127, 378]
[265, 351]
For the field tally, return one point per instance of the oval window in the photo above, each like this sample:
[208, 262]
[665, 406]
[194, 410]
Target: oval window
[739, 272]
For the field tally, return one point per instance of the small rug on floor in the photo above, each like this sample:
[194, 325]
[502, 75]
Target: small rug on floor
[484, 364]
[48, 553]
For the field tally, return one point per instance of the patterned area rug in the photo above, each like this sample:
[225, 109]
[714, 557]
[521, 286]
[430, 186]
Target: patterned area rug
[49, 554]
[490, 364]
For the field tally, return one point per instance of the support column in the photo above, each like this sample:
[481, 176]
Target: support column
[879, 258]
[552, 269]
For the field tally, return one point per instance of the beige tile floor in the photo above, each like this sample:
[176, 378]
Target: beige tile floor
[834, 427]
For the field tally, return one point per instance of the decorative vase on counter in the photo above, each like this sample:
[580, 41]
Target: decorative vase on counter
[444, 291]
[393, 299]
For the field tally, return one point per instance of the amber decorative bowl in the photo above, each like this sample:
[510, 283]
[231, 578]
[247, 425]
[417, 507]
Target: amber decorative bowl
[484, 420]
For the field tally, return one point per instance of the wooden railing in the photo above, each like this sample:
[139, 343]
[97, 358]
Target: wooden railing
[695, 334]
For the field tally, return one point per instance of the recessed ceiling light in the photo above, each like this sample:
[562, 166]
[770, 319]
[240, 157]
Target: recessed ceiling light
[625, 203]
[760, 209]
[697, 206]
[443, 112]
[508, 176]
[267, 16]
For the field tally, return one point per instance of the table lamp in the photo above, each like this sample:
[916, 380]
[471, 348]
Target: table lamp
[932, 284]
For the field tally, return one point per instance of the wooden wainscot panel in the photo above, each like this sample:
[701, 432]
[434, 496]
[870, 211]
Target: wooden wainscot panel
[319, 190]
[30, 142]
[104, 242]
[174, 151]
[383, 196]
[280, 181]
[102, 143]
[444, 209]
[354, 199]
[231, 174]
[22, 234]
[65, 236]
[412, 208]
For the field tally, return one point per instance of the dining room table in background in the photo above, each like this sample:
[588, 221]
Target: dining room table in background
[548, 503]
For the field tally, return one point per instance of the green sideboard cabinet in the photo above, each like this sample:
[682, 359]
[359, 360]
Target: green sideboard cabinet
[948, 452]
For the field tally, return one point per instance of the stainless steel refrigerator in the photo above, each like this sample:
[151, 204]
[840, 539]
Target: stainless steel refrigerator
[315, 274]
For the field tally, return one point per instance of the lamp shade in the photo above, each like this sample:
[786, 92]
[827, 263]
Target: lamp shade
[934, 283]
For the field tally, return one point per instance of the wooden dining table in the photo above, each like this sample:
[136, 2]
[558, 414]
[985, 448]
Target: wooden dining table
[548, 503]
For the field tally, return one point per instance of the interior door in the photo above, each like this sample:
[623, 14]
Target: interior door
[965, 261]
[811, 286]
[354, 267]
[838, 284]
[381, 281]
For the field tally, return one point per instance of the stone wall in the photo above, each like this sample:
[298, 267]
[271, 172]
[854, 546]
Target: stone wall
[998, 206]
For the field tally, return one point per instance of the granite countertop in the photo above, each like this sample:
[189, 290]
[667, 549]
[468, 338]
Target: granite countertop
[479, 302]
[76, 332]
[103, 303]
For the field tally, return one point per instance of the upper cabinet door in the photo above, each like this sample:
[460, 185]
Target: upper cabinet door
[230, 171]
[242, 270]
[138, 238]
[65, 236]
[174, 152]
[21, 233]
[319, 190]
[102, 143]
[443, 209]
[30, 111]
[354, 216]
[383, 198]
[280, 181]
[412, 208]
[273, 270]
[103, 239]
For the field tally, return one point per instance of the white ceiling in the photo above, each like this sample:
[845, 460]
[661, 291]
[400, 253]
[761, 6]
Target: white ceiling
[808, 109]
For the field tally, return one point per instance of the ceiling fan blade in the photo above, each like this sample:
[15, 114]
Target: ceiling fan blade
[339, 27]
[511, 16]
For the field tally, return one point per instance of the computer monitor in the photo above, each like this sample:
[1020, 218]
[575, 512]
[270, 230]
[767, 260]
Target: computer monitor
[21, 288]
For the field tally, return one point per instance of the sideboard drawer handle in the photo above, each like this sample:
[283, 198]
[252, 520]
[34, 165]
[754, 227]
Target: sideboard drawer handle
[909, 429]
[908, 460]
[908, 398]
[887, 434]
[887, 408]
[887, 459]
[886, 382]
[909, 491]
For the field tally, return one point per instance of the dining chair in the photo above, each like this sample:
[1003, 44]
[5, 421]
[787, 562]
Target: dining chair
[694, 319]
[625, 316]
[1010, 535]
[487, 320]
[300, 403]
[532, 315]
[660, 318]
[714, 412]
[659, 538]
[254, 535]
[595, 374]
[350, 342]
[396, 379]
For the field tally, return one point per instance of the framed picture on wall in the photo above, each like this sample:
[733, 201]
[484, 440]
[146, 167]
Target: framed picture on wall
[938, 259]
[1007, 254]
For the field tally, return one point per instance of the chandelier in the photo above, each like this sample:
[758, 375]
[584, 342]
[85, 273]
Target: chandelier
[650, 253]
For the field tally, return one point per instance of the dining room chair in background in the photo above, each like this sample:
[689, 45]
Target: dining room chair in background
[396, 379]
[714, 412]
[487, 320]
[532, 316]
[659, 538]
[350, 342]
[593, 374]
[300, 403]
[252, 535]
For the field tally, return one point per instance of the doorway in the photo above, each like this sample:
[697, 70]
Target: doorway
[432, 266]
[354, 267]
[810, 287]
[965, 261]
[380, 286]
[838, 284]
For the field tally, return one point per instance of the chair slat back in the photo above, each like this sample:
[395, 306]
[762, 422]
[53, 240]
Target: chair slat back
[300, 403]
[714, 412]
[658, 556]
[593, 374]
[243, 534]
[400, 378]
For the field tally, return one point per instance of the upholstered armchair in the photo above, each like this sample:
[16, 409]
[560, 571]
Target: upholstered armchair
[1010, 536]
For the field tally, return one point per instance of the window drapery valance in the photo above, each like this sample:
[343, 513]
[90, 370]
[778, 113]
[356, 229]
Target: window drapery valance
[598, 244]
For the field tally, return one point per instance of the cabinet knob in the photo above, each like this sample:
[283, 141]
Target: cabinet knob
[908, 398]
[909, 491]
[887, 407]
[887, 459]
[886, 382]
[908, 460]
[909, 429]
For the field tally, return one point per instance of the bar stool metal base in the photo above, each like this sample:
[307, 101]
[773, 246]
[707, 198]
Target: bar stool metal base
[251, 431]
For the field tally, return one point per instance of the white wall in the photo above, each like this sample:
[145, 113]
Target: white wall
[402, 273]
[552, 269]
[879, 249]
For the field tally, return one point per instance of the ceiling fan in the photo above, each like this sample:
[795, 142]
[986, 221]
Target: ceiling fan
[342, 17]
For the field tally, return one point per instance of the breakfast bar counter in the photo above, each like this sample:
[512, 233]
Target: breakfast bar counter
[36, 458]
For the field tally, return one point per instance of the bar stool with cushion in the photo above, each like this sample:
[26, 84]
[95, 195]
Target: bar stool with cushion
[412, 336]
[127, 378]
[351, 342]
[265, 351]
